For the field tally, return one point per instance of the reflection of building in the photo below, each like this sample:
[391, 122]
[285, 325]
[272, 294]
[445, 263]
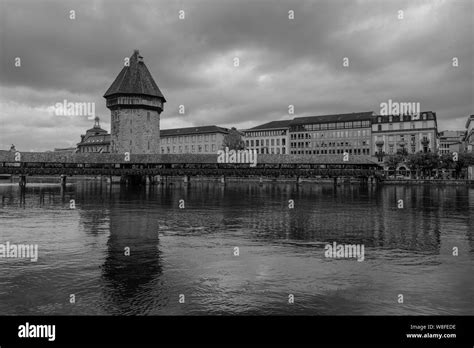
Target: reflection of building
[451, 141]
[132, 262]
[272, 137]
[135, 104]
[96, 139]
[207, 139]
[469, 139]
[405, 132]
[331, 134]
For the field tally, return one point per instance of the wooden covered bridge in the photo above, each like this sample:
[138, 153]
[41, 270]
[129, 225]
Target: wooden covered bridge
[140, 168]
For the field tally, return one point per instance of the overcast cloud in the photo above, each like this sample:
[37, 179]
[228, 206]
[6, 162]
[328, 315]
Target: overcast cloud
[282, 61]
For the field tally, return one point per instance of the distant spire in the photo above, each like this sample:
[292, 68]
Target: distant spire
[96, 122]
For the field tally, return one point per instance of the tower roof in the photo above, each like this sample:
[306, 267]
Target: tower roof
[134, 79]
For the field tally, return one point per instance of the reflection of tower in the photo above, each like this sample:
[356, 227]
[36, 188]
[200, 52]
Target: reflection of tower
[135, 102]
[129, 279]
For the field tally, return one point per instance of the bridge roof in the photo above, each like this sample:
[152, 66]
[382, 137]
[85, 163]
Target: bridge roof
[48, 157]
[134, 79]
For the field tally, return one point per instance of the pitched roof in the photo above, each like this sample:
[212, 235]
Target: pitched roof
[193, 130]
[272, 125]
[134, 79]
[355, 116]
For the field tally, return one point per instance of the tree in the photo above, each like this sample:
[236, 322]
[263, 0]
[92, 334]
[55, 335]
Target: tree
[394, 160]
[233, 140]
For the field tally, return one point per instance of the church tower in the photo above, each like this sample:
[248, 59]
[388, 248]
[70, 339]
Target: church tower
[135, 104]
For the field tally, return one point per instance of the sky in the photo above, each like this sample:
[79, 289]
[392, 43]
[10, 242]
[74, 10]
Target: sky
[404, 51]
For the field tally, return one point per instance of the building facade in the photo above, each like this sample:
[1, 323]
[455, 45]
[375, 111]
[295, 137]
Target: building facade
[204, 140]
[404, 132]
[451, 141]
[469, 137]
[135, 103]
[96, 139]
[269, 138]
[331, 134]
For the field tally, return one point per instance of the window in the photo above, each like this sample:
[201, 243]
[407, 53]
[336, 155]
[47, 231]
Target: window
[214, 147]
[206, 148]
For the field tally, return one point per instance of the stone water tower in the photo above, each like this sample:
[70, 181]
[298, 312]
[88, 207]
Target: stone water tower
[135, 103]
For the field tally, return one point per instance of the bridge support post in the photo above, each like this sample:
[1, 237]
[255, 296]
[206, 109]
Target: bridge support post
[63, 180]
[222, 179]
[186, 179]
[22, 181]
[335, 181]
[261, 181]
[158, 179]
[298, 180]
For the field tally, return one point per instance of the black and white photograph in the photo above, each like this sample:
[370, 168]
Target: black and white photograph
[236, 171]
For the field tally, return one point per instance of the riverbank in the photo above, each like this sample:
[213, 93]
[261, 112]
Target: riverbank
[174, 179]
[455, 182]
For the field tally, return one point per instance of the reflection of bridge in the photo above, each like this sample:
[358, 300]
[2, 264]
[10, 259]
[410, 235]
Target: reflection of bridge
[140, 167]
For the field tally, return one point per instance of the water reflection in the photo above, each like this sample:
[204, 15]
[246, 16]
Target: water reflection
[189, 250]
[133, 259]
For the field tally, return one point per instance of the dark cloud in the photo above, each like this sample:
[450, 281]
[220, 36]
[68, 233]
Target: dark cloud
[282, 61]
